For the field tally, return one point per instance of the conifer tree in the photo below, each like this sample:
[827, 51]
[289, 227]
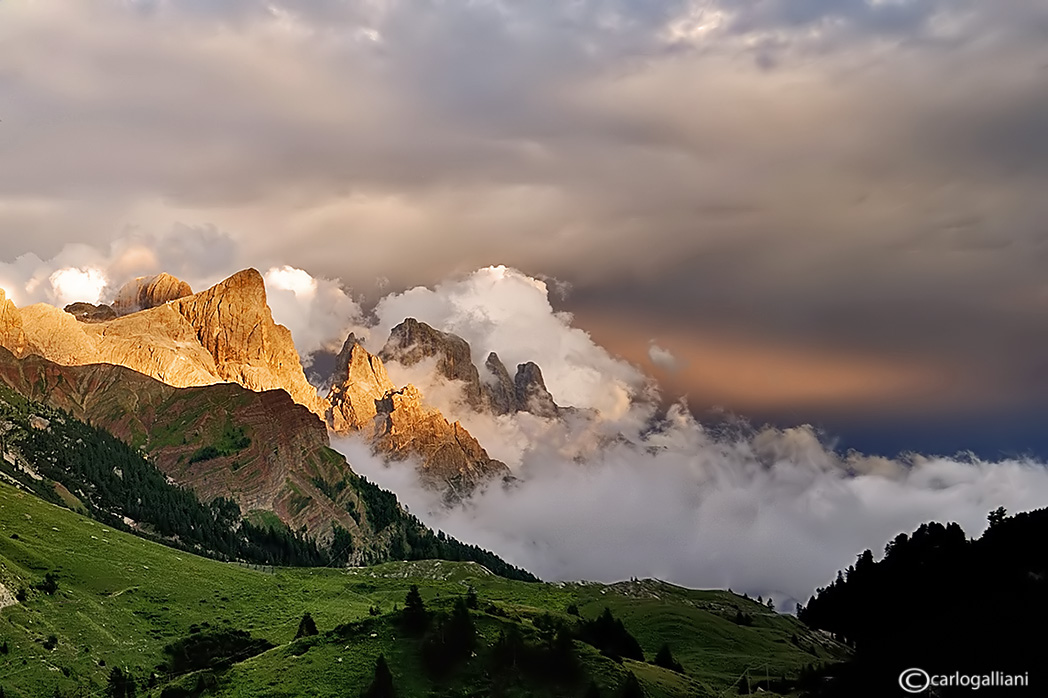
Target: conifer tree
[306, 627]
[415, 615]
[382, 684]
[631, 687]
[121, 684]
[666, 660]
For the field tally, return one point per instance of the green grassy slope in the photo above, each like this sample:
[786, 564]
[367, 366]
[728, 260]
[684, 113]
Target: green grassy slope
[121, 599]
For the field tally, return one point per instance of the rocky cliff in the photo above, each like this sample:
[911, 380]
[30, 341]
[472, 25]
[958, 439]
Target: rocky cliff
[147, 292]
[530, 391]
[359, 381]
[234, 324]
[412, 342]
[12, 335]
[399, 425]
[224, 334]
[500, 392]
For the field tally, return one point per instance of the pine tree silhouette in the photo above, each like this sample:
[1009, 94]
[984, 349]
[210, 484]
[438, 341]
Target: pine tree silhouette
[382, 685]
[306, 627]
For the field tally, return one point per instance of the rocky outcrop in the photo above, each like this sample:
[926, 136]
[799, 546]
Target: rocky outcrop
[85, 312]
[400, 426]
[450, 458]
[12, 335]
[531, 394]
[235, 325]
[359, 381]
[499, 393]
[147, 292]
[412, 341]
[224, 334]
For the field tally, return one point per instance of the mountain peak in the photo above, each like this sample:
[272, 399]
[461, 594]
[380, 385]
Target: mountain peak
[398, 423]
[532, 395]
[358, 383]
[147, 292]
[500, 392]
[12, 335]
[412, 341]
[246, 281]
[235, 325]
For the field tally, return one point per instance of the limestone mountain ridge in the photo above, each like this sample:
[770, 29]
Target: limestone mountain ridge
[226, 334]
[398, 424]
[413, 341]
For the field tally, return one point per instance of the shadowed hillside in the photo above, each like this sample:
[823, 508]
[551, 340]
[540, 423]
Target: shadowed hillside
[943, 603]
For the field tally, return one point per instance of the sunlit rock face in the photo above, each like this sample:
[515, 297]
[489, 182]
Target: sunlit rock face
[12, 336]
[400, 426]
[227, 334]
[235, 326]
[359, 382]
[223, 334]
[147, 292]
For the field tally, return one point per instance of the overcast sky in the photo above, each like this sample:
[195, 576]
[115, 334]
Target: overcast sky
[812, 210]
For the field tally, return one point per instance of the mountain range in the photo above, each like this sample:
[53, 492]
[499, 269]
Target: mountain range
[187, 419]
[167, 369]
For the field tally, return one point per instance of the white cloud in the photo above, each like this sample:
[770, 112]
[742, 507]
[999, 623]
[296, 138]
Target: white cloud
[773, 513]
[318, 311]
[503, 310]
[288, 278]
[663, 358]
[72, 284]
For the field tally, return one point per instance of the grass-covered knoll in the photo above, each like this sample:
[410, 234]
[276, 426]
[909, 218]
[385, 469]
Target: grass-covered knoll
[120, 600]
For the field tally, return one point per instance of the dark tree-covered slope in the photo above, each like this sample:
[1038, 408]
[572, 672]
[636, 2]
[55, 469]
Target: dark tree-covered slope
[943, 603]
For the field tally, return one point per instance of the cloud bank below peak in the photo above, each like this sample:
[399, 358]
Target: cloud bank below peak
[768, 511]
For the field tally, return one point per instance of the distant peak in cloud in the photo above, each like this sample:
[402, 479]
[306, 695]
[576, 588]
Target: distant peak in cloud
[146, 292]
[502, 310]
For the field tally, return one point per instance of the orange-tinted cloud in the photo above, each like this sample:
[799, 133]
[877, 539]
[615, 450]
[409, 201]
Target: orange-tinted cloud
[748, 374]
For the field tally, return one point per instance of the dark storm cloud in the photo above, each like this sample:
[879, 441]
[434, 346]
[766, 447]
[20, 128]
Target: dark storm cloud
[832, 175]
